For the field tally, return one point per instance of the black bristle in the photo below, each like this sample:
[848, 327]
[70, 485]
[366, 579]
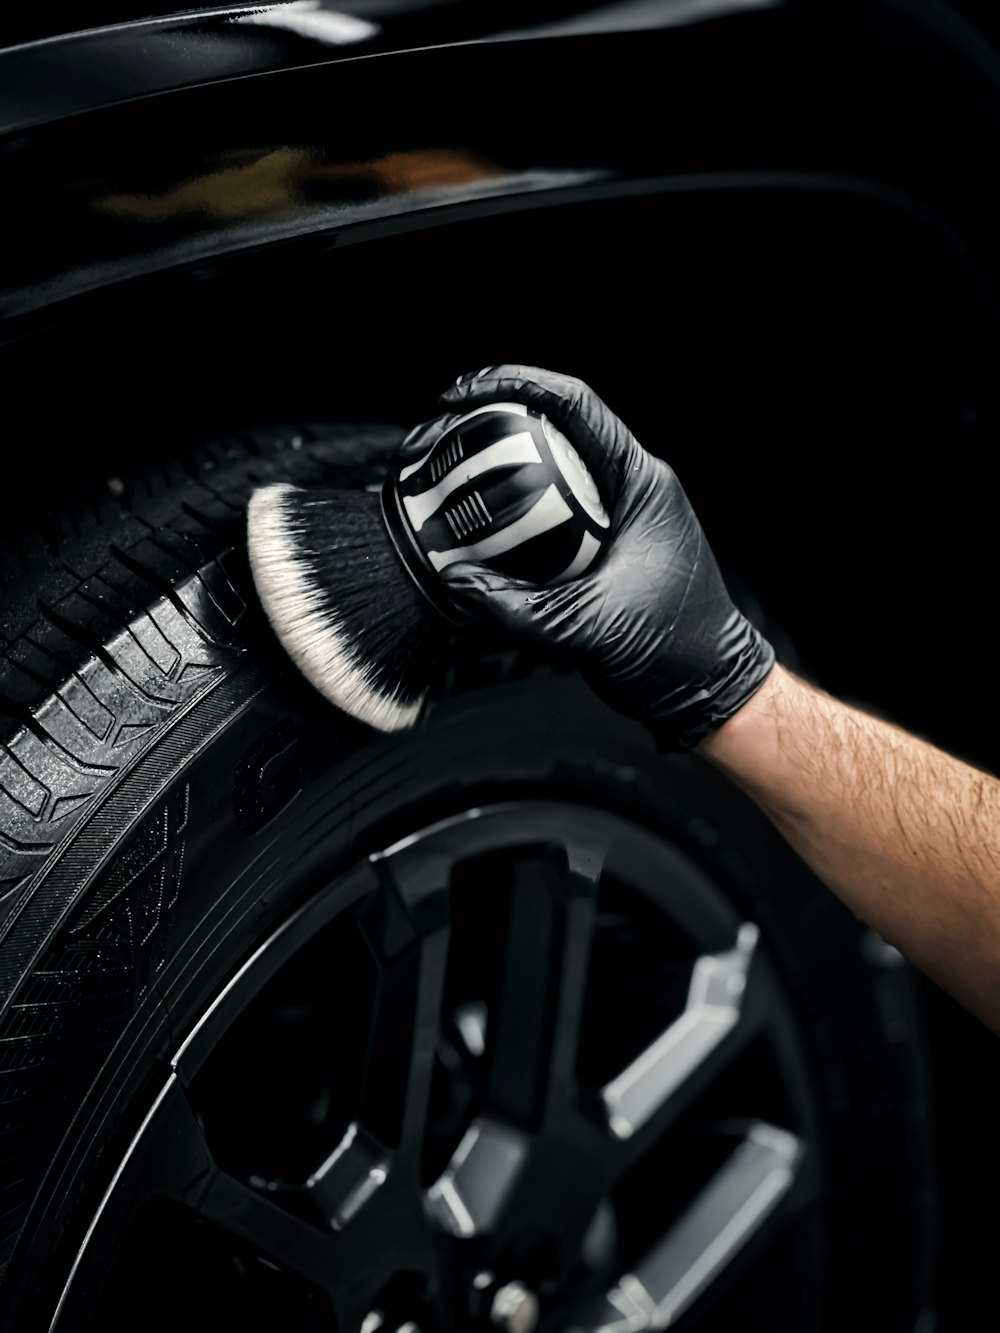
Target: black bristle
[341, 601]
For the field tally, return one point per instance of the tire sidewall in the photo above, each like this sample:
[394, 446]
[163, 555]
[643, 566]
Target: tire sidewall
[288, 795]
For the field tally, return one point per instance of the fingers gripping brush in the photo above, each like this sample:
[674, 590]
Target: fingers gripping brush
[351, 581]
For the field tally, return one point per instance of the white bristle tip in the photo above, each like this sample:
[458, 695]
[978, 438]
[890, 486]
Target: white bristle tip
[309, 631]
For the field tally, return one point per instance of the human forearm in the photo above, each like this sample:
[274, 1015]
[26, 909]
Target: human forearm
[906, 835]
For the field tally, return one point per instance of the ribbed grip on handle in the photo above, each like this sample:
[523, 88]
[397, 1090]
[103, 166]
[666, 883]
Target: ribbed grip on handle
[503, 488]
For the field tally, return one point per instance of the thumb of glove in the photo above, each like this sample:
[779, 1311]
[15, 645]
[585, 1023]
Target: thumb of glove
[486, 595]
[424, 436]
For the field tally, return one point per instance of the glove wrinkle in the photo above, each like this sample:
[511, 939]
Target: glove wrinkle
[652, 624]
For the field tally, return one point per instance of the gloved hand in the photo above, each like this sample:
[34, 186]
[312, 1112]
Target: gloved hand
[651, 624]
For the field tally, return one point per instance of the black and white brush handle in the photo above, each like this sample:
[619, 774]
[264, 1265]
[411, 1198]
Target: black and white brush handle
[502, 487]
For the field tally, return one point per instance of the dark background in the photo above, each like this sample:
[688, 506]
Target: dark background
[819, 368]
[812, 367]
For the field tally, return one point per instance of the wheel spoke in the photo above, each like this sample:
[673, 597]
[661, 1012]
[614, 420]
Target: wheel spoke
[532, 1047]
[468, 1198]
[350, 1266]
[721, 1017]
[177, 1165]
[269, 1229]
[578, 906]
[170, 1160]
[344, 1183]
[176, 1162]
[407, 933]
[468, 1067]
[518, 1037]
[721, 1220]
[544, 978]
[167, 1155]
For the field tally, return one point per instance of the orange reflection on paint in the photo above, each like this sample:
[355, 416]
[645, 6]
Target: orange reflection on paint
[282, 181]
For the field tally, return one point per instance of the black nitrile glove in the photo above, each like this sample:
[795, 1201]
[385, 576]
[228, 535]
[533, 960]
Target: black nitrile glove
[651, 624]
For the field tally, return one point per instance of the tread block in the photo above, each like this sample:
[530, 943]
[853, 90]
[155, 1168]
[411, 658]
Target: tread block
[78, 618]
[114, 616]
[190, 624]
[189, 551]
[19, 689]
[26, 658]
[122, 603]
[221, 589]
[84, 704]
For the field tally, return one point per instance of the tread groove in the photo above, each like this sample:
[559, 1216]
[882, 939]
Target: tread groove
[102, 655]
[131, 608]
[163, 586]
[30, 723]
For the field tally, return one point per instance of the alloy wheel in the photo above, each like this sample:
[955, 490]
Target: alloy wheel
[527, 1068]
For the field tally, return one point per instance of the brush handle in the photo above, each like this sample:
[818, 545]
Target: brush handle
[502, 487]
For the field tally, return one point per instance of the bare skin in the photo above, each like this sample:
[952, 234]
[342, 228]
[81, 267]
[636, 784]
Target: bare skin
[907, 836]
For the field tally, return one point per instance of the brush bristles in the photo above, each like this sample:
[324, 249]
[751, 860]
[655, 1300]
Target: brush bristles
[341, 603]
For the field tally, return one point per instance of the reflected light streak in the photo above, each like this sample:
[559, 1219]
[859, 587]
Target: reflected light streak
[311, 19]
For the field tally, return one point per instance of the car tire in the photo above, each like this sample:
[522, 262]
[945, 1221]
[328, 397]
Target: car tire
[172, 795]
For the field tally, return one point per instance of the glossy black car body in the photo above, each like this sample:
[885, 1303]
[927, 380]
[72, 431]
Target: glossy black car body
[236, 146]
[766, 232]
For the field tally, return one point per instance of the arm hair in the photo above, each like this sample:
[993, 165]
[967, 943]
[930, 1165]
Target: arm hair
[906, 835]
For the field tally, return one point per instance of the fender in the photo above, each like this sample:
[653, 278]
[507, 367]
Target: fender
[233, 132]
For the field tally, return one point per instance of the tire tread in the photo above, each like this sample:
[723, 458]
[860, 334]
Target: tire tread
[117, 615]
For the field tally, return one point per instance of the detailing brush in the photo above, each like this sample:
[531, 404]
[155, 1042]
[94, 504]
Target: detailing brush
[350, 580]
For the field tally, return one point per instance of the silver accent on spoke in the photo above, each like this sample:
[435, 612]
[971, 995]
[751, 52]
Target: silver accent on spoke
[705, 1238]
[470, 1019]
[468, 1195]
[714, 1003]
[515, 1308]
[349, 1177]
